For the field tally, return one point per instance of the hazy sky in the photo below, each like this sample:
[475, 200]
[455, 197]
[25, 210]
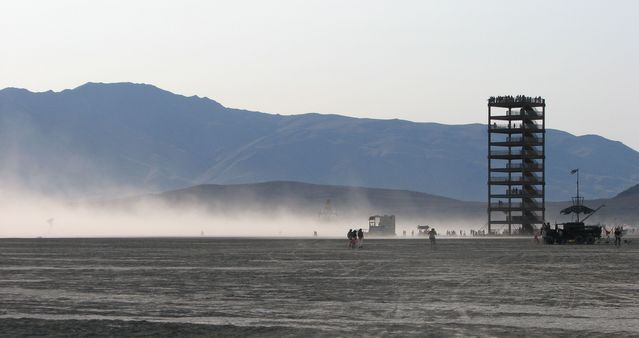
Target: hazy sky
[417, 60]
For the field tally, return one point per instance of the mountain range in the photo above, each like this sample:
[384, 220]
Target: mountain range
[98, 139]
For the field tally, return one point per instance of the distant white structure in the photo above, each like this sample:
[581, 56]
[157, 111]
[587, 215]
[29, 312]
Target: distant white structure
[50, 222]
[327, 214]
[379, 225]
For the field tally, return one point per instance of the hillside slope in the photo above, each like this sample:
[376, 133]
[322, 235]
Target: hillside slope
[98, 139]
[357, 203]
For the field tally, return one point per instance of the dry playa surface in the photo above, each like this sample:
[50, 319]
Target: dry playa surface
[192, 287]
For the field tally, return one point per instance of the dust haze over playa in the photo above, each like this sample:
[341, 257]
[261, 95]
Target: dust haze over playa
[191, 168]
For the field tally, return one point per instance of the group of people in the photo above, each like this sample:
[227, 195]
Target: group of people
[518, 98]
[355, 238]
[454, 233]
[513, 191]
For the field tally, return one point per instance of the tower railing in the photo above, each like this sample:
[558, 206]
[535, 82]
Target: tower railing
[532, 179]
[517, 205]
[515, 126]
[520, 139]
[529, 166]
[531, 153]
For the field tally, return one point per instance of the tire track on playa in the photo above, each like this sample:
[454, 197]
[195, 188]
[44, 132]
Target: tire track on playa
[363, 265]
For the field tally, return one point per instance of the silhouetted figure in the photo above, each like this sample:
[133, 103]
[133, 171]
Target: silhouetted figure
[352, 239]
[360, 237]
[618, 231]
[431, 236]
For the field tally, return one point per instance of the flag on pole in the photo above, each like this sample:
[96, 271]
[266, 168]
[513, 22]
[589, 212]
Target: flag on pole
[574, 171]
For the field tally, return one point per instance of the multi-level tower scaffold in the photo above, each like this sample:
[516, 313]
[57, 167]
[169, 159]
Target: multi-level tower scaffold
[516, 169]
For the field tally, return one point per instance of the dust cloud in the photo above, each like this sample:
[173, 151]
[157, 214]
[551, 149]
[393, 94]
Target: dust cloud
[30, 214]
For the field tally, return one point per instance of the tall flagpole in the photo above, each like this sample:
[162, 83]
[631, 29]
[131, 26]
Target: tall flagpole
[578, 198]
[577, 183]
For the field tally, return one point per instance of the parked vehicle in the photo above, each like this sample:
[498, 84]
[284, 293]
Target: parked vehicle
[576, 231]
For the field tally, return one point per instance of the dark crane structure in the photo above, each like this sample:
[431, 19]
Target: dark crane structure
[516, 169]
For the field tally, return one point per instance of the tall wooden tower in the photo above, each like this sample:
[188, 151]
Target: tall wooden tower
[516, 168]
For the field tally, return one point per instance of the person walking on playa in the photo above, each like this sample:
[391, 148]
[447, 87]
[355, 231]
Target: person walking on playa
[354, 239]
[350, 237]
[360, 237]
[431, 236]
[618, 236]
[607, 234]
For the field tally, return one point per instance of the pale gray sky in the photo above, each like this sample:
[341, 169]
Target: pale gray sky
[417, 60]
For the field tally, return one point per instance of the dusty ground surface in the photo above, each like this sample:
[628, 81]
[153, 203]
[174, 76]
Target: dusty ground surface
[316, 287]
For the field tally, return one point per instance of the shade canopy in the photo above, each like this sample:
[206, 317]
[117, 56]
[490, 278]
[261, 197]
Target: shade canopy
[577, 209]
